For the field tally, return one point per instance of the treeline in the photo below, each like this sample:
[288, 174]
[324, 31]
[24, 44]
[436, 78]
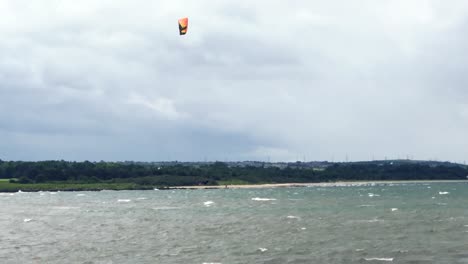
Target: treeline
[217, 173]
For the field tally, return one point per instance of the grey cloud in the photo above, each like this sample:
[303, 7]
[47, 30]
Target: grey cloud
[85, 80]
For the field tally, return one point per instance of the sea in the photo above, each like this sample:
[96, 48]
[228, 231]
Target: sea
[414, 223]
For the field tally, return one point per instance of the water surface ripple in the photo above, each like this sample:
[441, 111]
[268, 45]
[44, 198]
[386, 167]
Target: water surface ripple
[382, 223]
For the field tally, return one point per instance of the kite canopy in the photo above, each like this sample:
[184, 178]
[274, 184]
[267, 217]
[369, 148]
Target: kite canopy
[183, 25]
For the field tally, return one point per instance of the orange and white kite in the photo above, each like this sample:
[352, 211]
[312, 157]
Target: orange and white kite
[183, 25]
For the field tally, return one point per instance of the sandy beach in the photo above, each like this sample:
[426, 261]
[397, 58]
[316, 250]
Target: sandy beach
[315, 184]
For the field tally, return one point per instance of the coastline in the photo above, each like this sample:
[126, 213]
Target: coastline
[11, 188]
[314, 184]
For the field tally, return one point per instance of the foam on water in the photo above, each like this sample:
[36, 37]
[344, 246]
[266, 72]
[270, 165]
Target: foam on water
[124, 200]
[394, 209]
[292, 217]
[443, 193]
[375, 220]
[379, 259]
[263, 249]
[65, 207]
[27, 220]
[263, 199]
[208, 203]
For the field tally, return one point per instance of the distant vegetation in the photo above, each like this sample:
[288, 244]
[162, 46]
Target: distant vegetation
[63, 175]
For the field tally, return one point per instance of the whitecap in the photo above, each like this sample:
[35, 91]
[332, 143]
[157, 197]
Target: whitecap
[123, 200]
[379, 259]
[141, 198]
[359, 249]
[375, 220]
[394, 209]
[443, 193]
[366, 205]
[27, 220]
[65, 207]
[303, 228]
[373, 194]
[263, 199]
[211, 262]
[208, 203]
[80, 194]
[263, 249]
[292, 217]
[156, 189]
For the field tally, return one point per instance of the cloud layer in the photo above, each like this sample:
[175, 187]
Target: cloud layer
[113, 80]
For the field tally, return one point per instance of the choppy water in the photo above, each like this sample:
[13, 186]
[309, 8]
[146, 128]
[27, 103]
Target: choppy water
[403, 223]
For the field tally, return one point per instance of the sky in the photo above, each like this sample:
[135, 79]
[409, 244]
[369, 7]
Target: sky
[252, 80]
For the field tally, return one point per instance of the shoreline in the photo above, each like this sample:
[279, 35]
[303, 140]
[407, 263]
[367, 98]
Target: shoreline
[94, 188]
[314, 184]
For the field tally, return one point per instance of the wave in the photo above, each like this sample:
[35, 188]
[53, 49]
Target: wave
[263, 199]
[165, 208]
[379, 259]
[65, 207]
[208, 203]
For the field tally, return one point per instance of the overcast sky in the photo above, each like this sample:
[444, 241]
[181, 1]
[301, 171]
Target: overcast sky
[252, 80]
